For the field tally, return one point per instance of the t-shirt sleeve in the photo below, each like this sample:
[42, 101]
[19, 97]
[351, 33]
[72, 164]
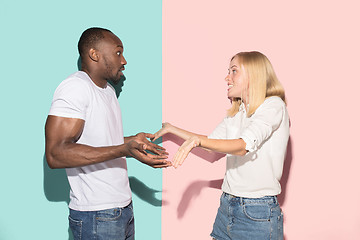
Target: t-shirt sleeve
[266, 119]
[219, 132]
[71, 99]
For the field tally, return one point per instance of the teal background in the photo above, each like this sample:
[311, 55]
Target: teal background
[39, 50]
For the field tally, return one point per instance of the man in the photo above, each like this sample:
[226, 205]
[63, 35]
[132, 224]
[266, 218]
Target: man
[84, 135]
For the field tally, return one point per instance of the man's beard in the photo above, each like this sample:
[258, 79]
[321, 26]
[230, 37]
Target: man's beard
[110, 77]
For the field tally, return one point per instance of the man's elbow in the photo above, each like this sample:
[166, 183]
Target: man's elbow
[51, 161]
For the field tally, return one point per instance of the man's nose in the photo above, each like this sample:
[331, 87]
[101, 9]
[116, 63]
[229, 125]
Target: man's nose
[123, 61]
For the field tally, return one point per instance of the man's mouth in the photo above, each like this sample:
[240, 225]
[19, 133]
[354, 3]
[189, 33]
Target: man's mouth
[121, 70]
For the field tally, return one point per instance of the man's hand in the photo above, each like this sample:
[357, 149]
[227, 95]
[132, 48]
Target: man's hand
[152, 147]
[139, 145]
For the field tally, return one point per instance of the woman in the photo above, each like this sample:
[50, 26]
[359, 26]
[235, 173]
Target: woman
[254, 136]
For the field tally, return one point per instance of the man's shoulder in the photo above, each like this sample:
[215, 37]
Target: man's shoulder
[75, 82]
[76, 85]
[77, 78]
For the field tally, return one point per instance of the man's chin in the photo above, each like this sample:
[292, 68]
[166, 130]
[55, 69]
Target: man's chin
[114, 81]
[117, 80]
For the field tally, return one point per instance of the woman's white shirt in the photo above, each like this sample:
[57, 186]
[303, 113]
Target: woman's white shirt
[266, 134]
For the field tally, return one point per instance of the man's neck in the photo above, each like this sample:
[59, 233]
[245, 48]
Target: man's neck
[100, 82]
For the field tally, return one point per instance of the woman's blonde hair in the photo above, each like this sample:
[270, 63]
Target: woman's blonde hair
[263, 82]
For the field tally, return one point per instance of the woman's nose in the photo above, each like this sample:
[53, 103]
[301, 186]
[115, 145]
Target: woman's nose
[227, 78]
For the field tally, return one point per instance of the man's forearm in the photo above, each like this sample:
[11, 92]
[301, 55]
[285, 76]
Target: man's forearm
[70, 155]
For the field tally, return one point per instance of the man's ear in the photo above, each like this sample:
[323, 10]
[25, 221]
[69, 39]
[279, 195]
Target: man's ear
[93, 54]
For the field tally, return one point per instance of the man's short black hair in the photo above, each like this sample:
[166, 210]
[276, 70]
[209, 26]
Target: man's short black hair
[89, 38]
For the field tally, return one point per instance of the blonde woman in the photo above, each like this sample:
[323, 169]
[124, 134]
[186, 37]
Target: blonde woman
[254, 135]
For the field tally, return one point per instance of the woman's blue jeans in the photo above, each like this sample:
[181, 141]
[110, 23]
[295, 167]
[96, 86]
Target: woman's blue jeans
[109, 224]
[248, 219]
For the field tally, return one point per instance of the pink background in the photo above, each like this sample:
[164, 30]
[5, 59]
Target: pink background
[314, 48]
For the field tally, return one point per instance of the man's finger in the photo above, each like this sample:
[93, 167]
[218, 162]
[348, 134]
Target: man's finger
[155, 163]
[156, 146]
[162, 166]
[156, 136]
[143, 148]
[149, 135]
[158, 152]
[155, 157]
[156, 149]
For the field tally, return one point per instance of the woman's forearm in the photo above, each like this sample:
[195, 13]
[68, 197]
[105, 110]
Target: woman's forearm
[228, 146]
[182, 133]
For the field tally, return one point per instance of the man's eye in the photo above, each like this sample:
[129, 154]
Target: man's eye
[118, 53]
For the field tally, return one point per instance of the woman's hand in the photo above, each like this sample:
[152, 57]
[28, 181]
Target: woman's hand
[184, 150]
[166, 128]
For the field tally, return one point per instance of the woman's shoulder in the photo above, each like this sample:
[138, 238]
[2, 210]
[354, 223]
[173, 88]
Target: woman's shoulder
[274, 99]
[273, 102]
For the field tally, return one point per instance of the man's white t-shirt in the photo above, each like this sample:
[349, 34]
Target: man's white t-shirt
[266, 134]
[103, 185]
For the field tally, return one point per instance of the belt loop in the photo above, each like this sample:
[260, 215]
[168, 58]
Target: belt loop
[276, 200]
[241, 200]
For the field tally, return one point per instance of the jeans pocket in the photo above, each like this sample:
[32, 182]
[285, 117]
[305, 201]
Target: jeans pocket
[76, 228]
[109, 214]
[257, 212]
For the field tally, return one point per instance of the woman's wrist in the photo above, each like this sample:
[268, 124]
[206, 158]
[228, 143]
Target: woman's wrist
[197, 141]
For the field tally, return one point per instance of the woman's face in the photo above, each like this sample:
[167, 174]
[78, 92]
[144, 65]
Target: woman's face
[237, 81]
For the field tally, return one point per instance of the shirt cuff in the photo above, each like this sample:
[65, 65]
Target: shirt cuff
[250, 144]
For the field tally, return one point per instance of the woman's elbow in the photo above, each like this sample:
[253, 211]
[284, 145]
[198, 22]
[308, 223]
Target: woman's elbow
[241, 152]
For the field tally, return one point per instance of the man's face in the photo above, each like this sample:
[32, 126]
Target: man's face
[112, 58]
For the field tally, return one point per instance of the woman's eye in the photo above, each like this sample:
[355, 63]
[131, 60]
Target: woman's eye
[118, 53]
[234, 71]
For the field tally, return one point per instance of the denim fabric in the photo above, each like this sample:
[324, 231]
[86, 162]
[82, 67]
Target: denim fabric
[248, 219]
[109, 224]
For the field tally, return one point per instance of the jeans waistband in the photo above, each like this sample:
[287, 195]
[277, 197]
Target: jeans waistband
[242, 200]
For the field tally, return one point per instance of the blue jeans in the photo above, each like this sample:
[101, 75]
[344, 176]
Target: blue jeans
[248, 219]
[109, 224]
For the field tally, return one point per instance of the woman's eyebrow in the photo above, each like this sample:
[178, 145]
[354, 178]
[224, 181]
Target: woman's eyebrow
[233, 66]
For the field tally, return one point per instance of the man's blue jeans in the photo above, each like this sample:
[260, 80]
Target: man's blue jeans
[109, 224]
